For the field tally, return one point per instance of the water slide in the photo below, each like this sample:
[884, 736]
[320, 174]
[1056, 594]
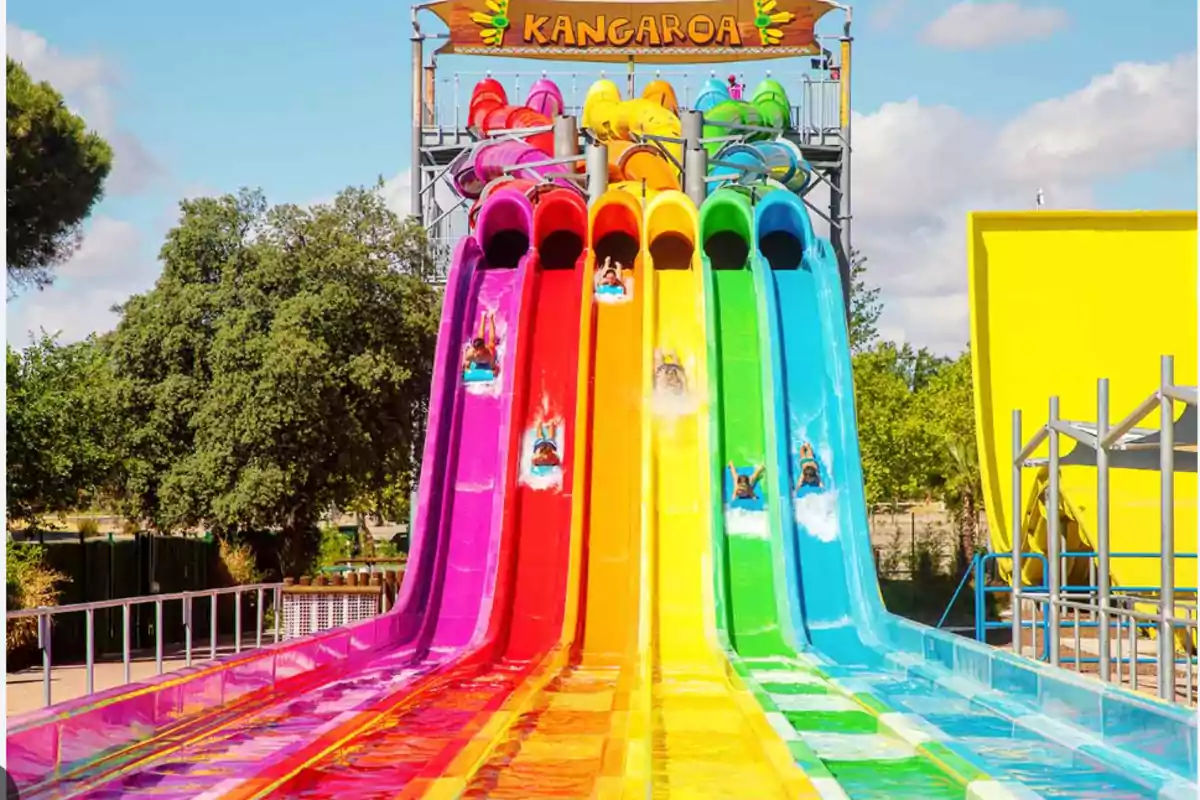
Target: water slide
[993, 724]
[220, 726]
[1058, 341]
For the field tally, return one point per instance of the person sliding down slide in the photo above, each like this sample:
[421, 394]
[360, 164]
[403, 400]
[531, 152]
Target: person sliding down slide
[744, 486]
[668, 373]
[545, 450]
[610, 278]
[479, 362]
[810, 472]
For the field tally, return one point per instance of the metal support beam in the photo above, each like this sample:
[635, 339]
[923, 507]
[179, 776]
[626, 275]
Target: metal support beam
[566, 137]
[1014, 528]
[1166, 461]
[418, 81]
[597, 167]
[696, 167]
[1103, 547]
[1053, 548]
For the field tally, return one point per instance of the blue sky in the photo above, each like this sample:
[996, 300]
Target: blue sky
[303, 98]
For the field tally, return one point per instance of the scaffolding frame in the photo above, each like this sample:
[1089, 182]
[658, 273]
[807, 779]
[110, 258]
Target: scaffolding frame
[1108, 440]
[436, 145]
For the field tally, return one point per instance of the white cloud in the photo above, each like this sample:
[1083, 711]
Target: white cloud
[919, 169]
[87, 83]
[975, 25]
[108, 267]
[886, 13]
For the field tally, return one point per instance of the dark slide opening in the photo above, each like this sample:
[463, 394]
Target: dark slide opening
[782, 249]
[619, 246]
[727, 250]
[672, 251]
[506, 248]
[560, 249]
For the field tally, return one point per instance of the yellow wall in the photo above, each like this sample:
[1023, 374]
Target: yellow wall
[1059, 300]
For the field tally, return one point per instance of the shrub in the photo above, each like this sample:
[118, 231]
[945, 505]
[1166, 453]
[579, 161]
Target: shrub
[88, 527]
[29, 583]
[239, 561]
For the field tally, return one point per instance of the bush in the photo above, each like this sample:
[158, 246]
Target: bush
[29, 583]
[239, 561]
[88, 528]
[334, 547]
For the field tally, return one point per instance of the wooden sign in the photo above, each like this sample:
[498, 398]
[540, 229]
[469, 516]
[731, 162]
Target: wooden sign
[684, 32]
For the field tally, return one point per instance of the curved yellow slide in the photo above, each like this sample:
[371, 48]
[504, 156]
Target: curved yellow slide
[707, 736]
[1059, 300]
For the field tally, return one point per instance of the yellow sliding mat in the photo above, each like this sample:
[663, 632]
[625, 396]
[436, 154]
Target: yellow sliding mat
[706, 737]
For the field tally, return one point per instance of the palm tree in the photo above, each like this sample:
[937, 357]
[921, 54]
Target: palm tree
[963, 489]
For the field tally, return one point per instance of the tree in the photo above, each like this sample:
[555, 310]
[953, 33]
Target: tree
[865, 305]
[56, 174]
[946, 404]
[61, 426]
[280, 365]
[895, 446]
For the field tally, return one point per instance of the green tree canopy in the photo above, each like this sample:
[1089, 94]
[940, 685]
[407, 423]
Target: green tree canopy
[56, 173]
[280, 365]
[865, 305]
[61, 427]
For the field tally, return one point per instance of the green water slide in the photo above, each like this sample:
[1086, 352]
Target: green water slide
[736, 351]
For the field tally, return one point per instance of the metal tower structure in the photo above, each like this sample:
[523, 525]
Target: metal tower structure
[820, 127]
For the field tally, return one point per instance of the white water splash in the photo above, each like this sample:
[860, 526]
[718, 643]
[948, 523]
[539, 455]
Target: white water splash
[743, 522]
[816, 513]
[668, 404]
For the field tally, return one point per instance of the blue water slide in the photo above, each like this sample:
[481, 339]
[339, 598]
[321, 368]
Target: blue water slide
[1037, 729]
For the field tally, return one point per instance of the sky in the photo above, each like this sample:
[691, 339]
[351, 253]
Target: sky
[957, 106]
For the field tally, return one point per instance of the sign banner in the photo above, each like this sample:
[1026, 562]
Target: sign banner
[682, 32]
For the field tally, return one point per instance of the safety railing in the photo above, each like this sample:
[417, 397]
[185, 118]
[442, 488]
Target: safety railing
[46, 614]
[1118, 612]
[816, 108]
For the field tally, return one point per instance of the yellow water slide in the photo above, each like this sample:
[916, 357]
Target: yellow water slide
[1059, 300]
[704, 734]
[622, 124]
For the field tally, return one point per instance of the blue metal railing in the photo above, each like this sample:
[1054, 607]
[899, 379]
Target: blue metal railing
[977, 570]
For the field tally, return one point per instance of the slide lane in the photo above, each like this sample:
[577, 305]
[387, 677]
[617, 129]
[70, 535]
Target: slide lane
[706, 735]
[413, 744]
[439, 610]
[567, 735]
[984, 742]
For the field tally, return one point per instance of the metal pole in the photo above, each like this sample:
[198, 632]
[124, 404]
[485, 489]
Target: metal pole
[44, 643]
[692, 128]
[90, 636]
[187, 630]
[278, 607]
[158, 636]
[417, 112]
[695, 168]
[125, 655]
[844, 183]
[258, 623]
[566, 137]
[1102, 545]
[237, 621]
[1014, 527]
[597, 167]
[212, 627]
[1052, 543]
[1166, 462]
